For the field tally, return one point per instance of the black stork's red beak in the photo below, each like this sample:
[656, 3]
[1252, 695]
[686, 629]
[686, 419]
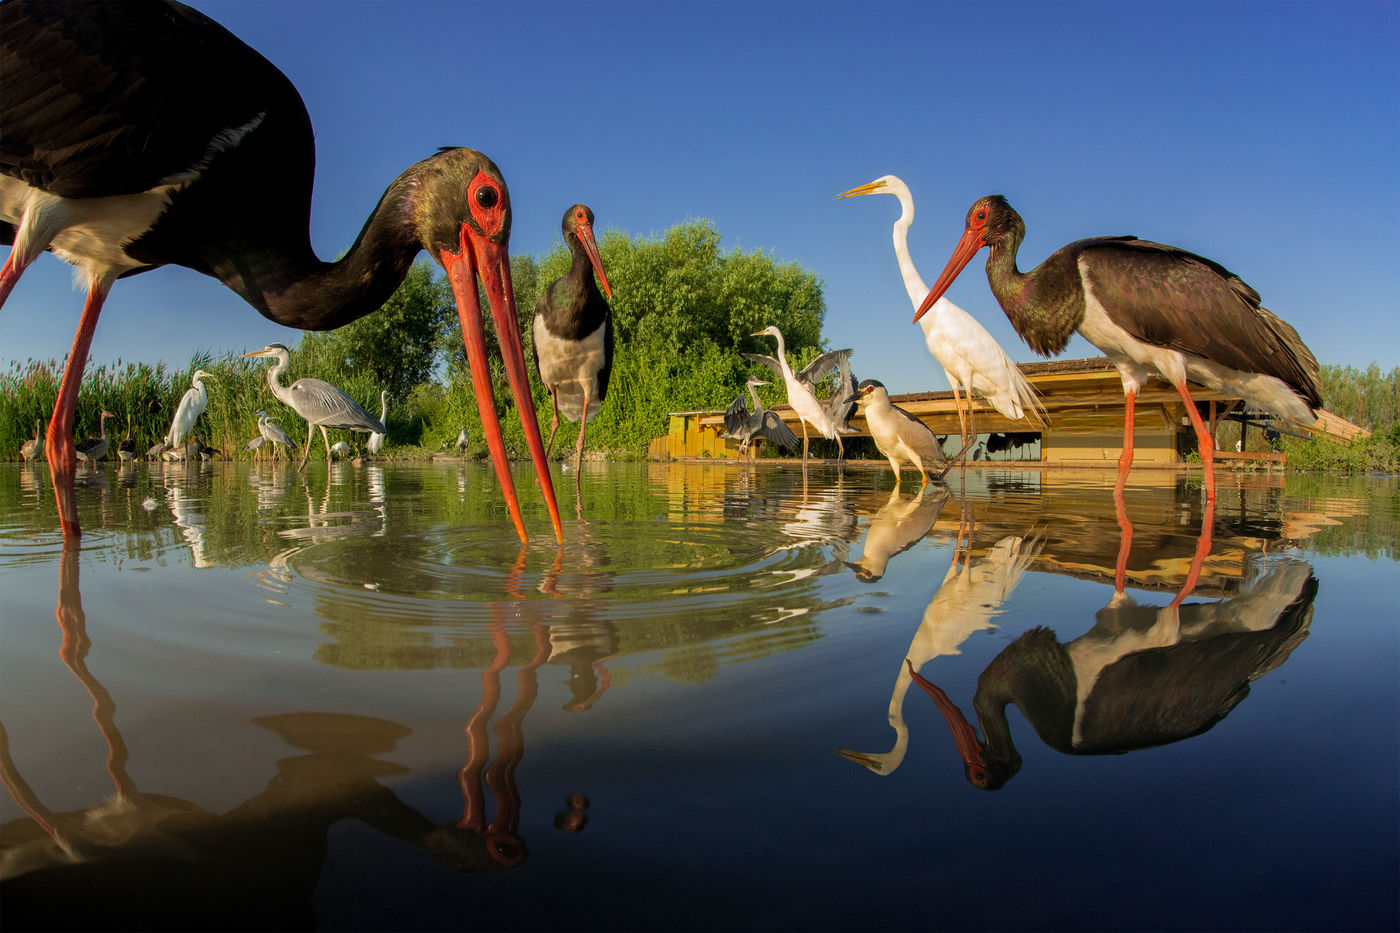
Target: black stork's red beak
[967, 247]
[483, 254]
[590, 246]
[964, 737]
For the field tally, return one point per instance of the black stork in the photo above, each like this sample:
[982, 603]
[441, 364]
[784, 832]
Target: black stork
[1155, 310]
[143, 134]
[573, 331]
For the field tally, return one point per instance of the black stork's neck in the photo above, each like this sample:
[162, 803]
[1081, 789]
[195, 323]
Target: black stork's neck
[1045, 305]
[574, 306]
[291, 286]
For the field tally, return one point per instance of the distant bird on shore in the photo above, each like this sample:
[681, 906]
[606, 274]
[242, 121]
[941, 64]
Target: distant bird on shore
[899, 435]
[969, 355]
[376, 438]
[143, 134]
[801, 388]
[192, 405]
[762, 423]
[341, 449]
[273, 433]
[1155, 310]
[95, 448]
[321, 404]
[30, 449]
[126, 447]
[462, 442]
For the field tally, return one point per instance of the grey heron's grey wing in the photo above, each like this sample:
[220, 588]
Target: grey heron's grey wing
[279, 436]
[735, 417]
[837, 408]
[814, 372]
[768, 361]
[777, 431]
[329, 407]
[255, 442]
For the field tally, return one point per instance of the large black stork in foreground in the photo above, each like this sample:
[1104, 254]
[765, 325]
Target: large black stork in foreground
[1154, 310]
[573, 331]
[140, 134]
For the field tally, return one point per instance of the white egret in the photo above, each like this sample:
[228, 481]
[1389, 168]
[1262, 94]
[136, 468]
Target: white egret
[969, 355]
[192, 405]
[376, 438]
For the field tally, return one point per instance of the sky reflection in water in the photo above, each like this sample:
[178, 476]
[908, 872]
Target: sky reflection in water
[344, 698]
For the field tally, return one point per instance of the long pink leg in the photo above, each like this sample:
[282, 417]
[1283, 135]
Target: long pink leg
[1203, 439]
[58, 444]
[1125, 459]
[9, 275]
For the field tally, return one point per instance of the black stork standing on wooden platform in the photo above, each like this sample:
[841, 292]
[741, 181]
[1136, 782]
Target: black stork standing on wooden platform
[573, 331]
[1154, 310]
[141, 134]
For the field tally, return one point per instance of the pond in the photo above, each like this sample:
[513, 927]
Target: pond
[734, 698]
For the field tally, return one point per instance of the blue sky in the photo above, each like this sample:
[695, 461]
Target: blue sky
[1265, 135]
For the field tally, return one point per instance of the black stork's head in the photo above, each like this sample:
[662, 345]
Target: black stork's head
[578, 228]
[990, 222]
[460, 208]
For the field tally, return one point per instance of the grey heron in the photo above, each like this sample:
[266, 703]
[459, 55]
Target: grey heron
[899, 435]
[801, 388]
[320, 403]
[95, 448]
[462, 442]
[762, 423]
[573, 331]
[192, 405]
[376, 438]
[273, 433]
[969, 355]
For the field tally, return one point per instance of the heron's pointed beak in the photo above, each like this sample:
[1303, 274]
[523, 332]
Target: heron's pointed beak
[860, 758]
[489, 260]
[964, 737]
[590, 246]
[869, 188]
[967, 247]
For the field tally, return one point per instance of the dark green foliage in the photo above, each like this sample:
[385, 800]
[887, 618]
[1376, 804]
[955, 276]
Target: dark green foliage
[683, 310]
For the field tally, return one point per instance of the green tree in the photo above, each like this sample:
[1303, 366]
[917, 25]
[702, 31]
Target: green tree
[398, 345]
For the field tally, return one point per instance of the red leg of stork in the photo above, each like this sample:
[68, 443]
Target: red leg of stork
[58, 444]
[1203, 439]
[1125, 459]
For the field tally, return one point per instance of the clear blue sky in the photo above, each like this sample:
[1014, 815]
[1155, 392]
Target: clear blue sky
[1265, 135]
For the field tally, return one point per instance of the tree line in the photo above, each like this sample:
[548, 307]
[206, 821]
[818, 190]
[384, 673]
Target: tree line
[683, 308]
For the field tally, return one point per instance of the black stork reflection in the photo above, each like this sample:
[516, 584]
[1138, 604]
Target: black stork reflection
[1142, 676]
[153, 861]
[144, 134]
[1155, 310]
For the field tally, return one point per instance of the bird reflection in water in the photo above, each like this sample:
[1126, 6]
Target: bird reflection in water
[972, 593]
[257, 865]
[1142, 676]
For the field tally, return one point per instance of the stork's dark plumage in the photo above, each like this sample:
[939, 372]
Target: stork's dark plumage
[1154, 310]
[573, 330]
[142, 134]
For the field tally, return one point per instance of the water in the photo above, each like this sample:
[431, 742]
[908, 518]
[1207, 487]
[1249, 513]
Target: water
[350, 700]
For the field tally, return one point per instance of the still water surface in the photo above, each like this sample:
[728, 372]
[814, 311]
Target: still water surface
[348, 699]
